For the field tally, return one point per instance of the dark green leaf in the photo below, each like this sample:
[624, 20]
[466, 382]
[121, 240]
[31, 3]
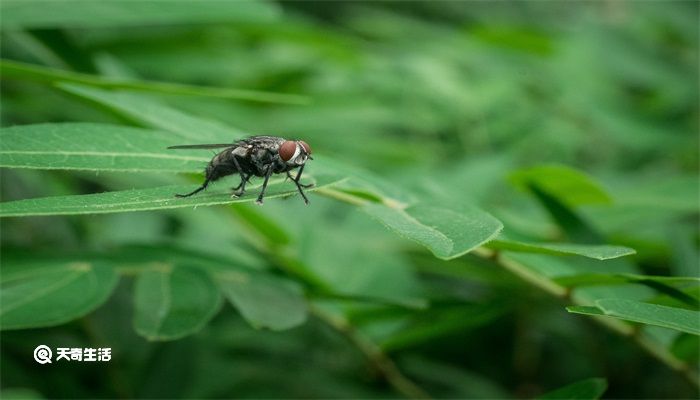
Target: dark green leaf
[588, 389]
[46, 293]
[265, 301]
[172, 302]
[564, 183]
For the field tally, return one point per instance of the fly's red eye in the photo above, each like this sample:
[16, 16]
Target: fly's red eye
[287, 150]
[306, 147]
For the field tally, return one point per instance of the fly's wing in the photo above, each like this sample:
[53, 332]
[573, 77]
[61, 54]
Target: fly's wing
[202, 146]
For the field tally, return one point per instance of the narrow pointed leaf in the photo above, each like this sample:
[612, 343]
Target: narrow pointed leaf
[46, 293]
[18, 70]
[159, 198]
[157, 115]
[588, 389]
[32, 14]
[172, 302]
[95, 147]
[652, 314]
[598, 252]
[445, 232]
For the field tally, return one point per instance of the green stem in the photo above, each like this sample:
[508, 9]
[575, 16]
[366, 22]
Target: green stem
[564, 294]
[374, 354]
[652, 347]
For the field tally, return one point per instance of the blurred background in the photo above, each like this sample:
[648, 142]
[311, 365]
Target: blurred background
[444, 99]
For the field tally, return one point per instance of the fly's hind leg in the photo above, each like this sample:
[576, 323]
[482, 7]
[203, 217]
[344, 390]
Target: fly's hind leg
[199, 189]
[240, 189]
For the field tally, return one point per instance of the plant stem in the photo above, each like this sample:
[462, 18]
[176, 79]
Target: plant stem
[564, 294]
[374, 354]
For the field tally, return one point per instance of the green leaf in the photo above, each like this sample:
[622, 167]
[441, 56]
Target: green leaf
[33, 14]
[447, 233]
[576, 228]
[265, 301]
[588, 389]
[157, 115]
[598, 252]
[571, 186]
[663, 284]
[652, 314]
[46, 293]
[614, 279]
[159, 198]
[172, 302]
[95, 147]
[18, 70]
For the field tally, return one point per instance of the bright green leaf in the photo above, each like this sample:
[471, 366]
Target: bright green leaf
[588, 389]
[172, 302]
[18, 70]
[157, 115]
[96, 147]
[32, 14]
[265, 301]
[159, 198]
[571, 186]
[46, 293]
[598, 252]
[447, 233]
[652, 314]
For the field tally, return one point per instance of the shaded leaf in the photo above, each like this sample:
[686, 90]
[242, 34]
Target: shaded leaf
[588, 389]
[571, 186]
[172, 302]
[576, 228]
[46, 293]
[265, 301]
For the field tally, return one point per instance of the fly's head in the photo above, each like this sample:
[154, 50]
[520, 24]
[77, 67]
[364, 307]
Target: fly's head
[295, 152]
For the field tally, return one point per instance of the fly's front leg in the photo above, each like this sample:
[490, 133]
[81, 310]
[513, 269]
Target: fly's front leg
[299, 177]
[299, 185]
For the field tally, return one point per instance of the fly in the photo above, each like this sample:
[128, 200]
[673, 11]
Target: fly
[255, 156]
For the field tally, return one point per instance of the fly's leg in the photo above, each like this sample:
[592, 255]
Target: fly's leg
[296, 180]
[199, 189]
[240, 189]
[264, 186]
[244, 180]
[299, 185]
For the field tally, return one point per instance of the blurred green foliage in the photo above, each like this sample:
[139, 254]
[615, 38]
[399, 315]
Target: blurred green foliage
[519, 150]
